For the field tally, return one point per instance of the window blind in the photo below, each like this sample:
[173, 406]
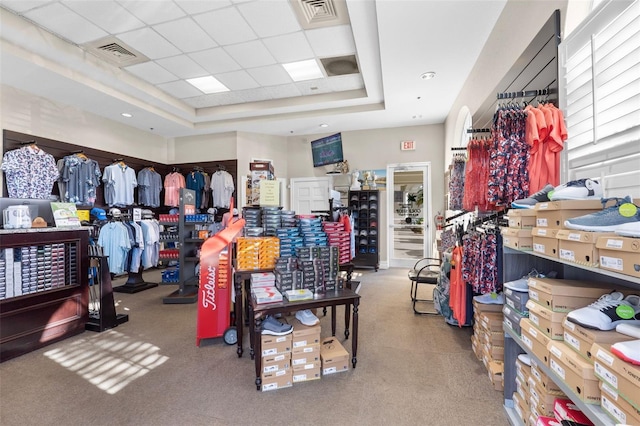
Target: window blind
[600, 96]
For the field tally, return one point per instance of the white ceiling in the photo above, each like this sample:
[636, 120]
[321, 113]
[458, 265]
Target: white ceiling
[243, 43]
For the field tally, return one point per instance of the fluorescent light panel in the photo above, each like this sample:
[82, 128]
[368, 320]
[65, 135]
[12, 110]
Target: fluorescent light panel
[208, 84]
[303, 70]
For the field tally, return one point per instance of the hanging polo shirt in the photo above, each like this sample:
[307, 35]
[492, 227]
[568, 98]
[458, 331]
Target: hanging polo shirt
[29, 172]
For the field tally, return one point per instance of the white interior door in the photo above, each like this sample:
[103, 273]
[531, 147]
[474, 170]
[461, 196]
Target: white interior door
[409, 213]
[309, 194]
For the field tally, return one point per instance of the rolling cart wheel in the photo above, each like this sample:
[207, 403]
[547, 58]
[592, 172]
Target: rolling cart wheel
[230, 336]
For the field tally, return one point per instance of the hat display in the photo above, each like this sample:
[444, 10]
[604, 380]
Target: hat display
[99, 214]
[115, 212]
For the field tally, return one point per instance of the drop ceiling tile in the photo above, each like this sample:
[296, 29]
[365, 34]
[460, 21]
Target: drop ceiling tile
[23, 5]
[345, 82]
[182, 66]
[237, 80]
[215, 61]
[150, 13]
[180, 89]
[283, 91]
[271, 75]
[193, 7]
[226, 26]
[106, 14]
[254, 95]
[66, 23]
[250, 54]
[149, 43]
[151, 72]
[314, 87]
[186, 35]
[332, 41]
[201, 101]
[225, 98]
[290, 47]
[270, 18]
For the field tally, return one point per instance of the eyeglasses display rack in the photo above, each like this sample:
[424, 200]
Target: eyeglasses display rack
[364, 208]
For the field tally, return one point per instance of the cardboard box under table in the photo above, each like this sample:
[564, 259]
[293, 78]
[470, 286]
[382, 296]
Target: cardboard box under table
[516, 238]
[544, 241]
[622, 376]
[574, 371]
[581, 339]
[565, 295]
[334, 357]
[620, 254]
[579, 246]
[552, 214]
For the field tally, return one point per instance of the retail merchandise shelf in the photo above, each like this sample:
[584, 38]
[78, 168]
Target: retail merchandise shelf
[192, 258]
[193, 240]
[168, 223]
[593, 412]
[169, 240]
[600, 271]
[512, 416]
[188, 222]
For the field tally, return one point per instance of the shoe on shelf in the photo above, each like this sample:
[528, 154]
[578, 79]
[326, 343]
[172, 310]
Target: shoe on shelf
[628, 351]
[274, 327]
[520, 285]
[631, 229]
[306, 317]
[608, 311]
[525, 359]
[624, 215]
[629, 330]
[490, 299]
[581, 189]
[533, 199]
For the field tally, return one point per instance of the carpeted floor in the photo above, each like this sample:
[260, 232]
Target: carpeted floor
[412, 370]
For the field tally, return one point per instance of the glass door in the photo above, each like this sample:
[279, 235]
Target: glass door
[409, 213]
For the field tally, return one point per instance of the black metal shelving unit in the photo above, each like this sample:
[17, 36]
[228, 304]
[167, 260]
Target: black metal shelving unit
[364, 206]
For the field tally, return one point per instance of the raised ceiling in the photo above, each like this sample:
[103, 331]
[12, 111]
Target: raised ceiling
[109, 57]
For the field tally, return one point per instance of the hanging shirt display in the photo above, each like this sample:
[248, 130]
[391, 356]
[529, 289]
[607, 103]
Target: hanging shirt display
[119, 183]
[80, 177]
[456, 183]
[206, 192]
[172, 184]
[149, 187]
[29, 172]
[222, 187]
[195, 181]
[115, 242]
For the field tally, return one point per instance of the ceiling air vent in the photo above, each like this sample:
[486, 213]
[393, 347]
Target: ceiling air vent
[320, 13]
[340, 65]
[115, 52]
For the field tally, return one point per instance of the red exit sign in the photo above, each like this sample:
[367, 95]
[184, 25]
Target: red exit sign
[408, 145]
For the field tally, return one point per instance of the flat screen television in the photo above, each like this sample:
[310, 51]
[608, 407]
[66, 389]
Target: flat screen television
[327, 150]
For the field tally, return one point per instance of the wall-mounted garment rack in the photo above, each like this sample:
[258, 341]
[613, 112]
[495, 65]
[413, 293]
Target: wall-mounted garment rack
[525, 94]
[459, 148]
[479, 130]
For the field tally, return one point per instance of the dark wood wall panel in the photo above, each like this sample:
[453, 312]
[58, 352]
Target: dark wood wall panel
[14, 140]
[535, 69]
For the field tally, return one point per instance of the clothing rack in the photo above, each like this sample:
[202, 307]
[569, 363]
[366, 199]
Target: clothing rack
[456, 216]
[523, 94]
[459, 148]
[479, 130]
[29, 142]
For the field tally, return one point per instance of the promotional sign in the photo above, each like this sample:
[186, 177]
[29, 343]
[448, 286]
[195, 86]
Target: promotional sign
[65, 214]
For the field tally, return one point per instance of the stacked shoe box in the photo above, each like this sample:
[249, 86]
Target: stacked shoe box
[271, 220]
[515, 308]
[491, 338]
[518, 234]
[311, 231]
[581, 339]
[253, 222]
[3, 276]
[320, 268]
[619, 254]
[480, 311]
[305, 351]
[619, 382]
[333, 356]
[543, 392]
[522, 395]
[550, 218]
[288, 219]
[290, 241]
[338, 237]
[276, 362]
[580, 246]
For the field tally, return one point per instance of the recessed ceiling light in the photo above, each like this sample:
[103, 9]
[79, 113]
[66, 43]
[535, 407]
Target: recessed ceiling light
[208, 84]
[303, 70]
[126, 114]
[428, 75]
[324, 125]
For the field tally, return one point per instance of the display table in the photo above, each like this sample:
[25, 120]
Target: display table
[257, 312]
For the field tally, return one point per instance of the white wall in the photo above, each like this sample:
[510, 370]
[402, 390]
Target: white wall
[258, 146]
[195, 149]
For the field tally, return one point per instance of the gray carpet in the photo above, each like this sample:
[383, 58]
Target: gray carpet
[412, 370]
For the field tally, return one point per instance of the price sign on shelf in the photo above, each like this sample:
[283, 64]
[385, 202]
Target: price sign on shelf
[408, 145]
